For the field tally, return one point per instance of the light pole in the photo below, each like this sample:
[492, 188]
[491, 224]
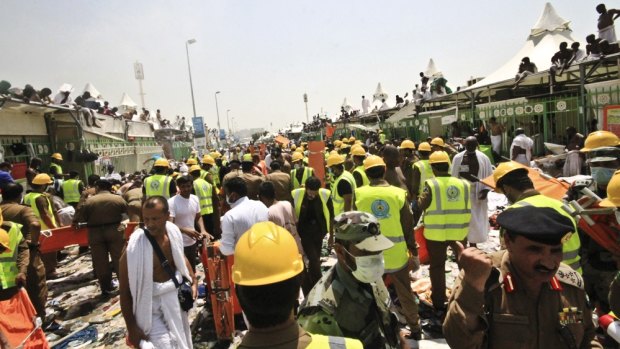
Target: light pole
[189, 69]
[306, 102]
[228, 122]
[217, 110]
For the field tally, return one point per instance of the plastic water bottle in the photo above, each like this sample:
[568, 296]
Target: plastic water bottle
[611, 326]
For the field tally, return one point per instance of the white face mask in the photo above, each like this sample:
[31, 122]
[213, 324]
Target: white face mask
[297, 166]
[618, 216]
[369, 268]
[228, 200]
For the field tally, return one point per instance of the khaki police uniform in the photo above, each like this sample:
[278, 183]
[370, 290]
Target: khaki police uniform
[281, 183]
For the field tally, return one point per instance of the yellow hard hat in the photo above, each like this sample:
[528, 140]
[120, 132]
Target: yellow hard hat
[299, 150]
[351, 139]
[303, 144]
[407, 144]
[334, 159]
[505, 168]
[42, 179]
[293, 147]
[266, 254]
[598, 139]
[175, 174]
[161, 162]
[613, 192]
[358, 151]
[208, 160]
[191, 162]
[345, 140]
[4, 237]
[57, 156]
[373, 161]
[333, 152]
[194, 168]
[424, 146]
[357, 142]
[247, 158]
[215, 154]
[438, 157]
[438, 141]
[297, 157]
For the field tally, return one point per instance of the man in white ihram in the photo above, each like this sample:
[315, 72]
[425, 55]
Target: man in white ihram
[521, 148]
[148, 296]
[365, 105]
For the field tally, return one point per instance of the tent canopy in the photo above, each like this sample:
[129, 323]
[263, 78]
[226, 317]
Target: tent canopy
[92, 90]
[126, 101]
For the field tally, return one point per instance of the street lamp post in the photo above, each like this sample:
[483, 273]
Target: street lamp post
[217, 110]
[228, 122]
[306, 102]
[189, 69]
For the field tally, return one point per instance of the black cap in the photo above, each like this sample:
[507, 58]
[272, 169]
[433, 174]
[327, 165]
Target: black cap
[541, 224]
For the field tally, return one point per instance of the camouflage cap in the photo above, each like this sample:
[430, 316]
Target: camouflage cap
[361, 228]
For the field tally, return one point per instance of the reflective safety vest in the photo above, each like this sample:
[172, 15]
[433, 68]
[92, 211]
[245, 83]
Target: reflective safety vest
[570, 249]
[203, 174]
[157, 185]
[330, 342]
[57, 167]
[426, 172]
[30, 199]
[360, 169]
[338, 200]
[447, 218]
[215, 175]
[71, 190]
[298, 198]
[308, 172]
[8, 260]
[204, 192]
[385, 203]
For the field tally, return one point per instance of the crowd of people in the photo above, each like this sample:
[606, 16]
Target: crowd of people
[275, 214]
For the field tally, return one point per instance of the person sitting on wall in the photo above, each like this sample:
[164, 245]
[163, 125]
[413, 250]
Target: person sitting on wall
[526, 67]
[559, 61]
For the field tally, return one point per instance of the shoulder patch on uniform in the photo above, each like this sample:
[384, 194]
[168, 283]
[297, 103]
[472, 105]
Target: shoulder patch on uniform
[567, 275]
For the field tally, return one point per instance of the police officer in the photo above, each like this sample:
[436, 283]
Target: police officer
[159, 183]
[358, 154]
[351, 298]
[613, 200]
[72, 189]
[209, 202]
[407, 148]
[14, 257]
[343, 184]
[511, 179]
[266, 276]
[56, 166]
[447, 212]
[391, 207]
[300, 172]
[522, 297]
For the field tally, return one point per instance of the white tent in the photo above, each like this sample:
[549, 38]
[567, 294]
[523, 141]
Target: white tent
[127, 102]
[431, 70]
[345, 104]
[543, 42]
[92, 90]
[379, 94]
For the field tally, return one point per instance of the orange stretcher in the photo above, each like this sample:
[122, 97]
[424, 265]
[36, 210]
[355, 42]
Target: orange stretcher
[54, 240]
[221, 289]
[598, 222]
[17, 323]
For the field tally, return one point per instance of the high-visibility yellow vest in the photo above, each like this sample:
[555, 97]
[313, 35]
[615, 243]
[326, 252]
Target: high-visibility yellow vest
[570, 249]
[426, 172]
[204, 192]
[203, 174]
[57, 167]
[331, 342]
[360, 169]
[338, 200]
[308, 172]
[71, 190]
[8, 260]
[30, 200]
[157, 185]
[298, 198]
[385, 203]
[215, 175]
[447, 218]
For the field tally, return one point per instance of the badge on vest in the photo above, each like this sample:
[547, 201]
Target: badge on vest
[380, 208]
[155, 185]
[453, 193]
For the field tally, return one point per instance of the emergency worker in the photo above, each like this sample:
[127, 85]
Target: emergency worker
[159, 183]
[521, 297]
[511, 179]
[358, 154]
[266, 276]
[300, 172]
[421, 170]
[613, 200]
[447, 212]
[251, 179]
[351, 298]
[392, 209]
[343, 184]
[281, 181]
[72, 189]
[56, 166]
[209, 202]
[407, 148]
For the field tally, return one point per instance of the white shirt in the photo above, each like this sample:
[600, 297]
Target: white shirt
[384, 106]
[244, 213]
[365, 105]
[184, 213]
[524, 142]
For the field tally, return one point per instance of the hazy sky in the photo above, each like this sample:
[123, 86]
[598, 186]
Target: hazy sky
[264, 54]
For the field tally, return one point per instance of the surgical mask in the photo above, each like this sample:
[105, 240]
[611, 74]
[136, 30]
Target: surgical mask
[618, 216]
[330, 171]
[297, 166]
[369, 268]
[602, 175]
[228, 200]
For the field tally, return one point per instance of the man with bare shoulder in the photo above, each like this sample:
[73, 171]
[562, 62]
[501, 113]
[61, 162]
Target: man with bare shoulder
[148, 295]
[497, 130]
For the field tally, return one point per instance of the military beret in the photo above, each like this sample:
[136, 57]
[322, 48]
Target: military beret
[541, 224]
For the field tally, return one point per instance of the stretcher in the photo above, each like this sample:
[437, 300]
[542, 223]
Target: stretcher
[54, 240]
[221, 289]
